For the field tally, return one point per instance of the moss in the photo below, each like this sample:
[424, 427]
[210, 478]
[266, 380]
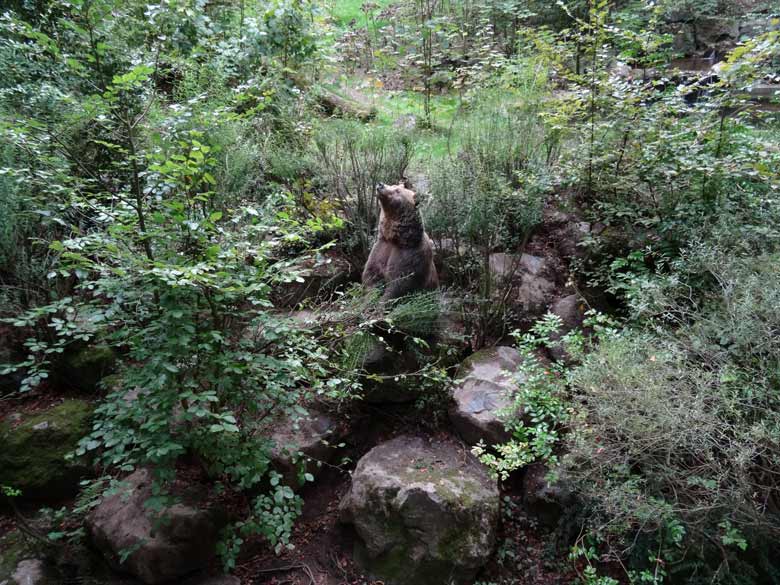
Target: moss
[14, 547]
[392, 567]
[84, 368]
[32, 455]
[397, 567]
[445, 478]
[92, 356]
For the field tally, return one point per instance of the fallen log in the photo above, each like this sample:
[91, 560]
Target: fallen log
[334, 104]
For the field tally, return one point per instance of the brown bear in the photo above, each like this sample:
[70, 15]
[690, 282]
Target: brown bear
[402, 256]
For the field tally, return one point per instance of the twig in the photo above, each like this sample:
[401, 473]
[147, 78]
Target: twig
[24, 526]
[302, 566]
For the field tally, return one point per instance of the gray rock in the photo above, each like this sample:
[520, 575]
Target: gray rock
[452, 341]
[533, 265]
[716, 33]
[546, 499]
[534, 289]
[484, 389]
[571, 310]
[425, 512]
[504, 266]
[320, 276]
[620, 69]
[386, 367]
[30, 572]
[183, 542]
[570, 238]
[308, 439]
[534, 294]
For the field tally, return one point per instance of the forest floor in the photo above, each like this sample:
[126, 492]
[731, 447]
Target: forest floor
[529, 552]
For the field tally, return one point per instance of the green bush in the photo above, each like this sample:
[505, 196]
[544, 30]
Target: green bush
[349, 159]
[489, 195]
[679, 427]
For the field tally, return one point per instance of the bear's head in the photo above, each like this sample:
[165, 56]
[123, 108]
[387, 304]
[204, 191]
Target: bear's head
[399, 221]
[395, 197]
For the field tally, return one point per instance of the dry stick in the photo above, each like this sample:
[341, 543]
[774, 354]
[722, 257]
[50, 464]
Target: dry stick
[304, 567]
[25, 526]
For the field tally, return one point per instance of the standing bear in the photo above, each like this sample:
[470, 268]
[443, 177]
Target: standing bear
[402, 257]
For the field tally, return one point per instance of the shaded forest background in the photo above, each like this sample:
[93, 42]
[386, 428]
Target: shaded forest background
[181, 181]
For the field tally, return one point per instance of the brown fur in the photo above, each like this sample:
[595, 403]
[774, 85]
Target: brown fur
[402, 257]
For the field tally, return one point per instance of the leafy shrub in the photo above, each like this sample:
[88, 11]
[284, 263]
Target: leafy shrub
[539, 407]
[152, 225]
[679, 427]
[488, 196]
[10, 219]
[350, 159]
[239, 165]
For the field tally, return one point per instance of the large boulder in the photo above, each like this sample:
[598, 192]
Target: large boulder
[483, 391]
[82, 369]
[316, 278]
[300, 443]
[531, 276]
[425, 512]
[182, 539]
[546, 495]
[33, 450]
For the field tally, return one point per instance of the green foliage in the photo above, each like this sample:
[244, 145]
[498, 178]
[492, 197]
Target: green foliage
[489, 194]
[350, 159]
[677, 426]
[539, 409]
[418, 314]
[162, 175]
[163, 237]
[661, 161]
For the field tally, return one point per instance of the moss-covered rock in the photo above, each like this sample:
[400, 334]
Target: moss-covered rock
[425, 511]
[32, 453]
[84, 368]
[13, 548]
